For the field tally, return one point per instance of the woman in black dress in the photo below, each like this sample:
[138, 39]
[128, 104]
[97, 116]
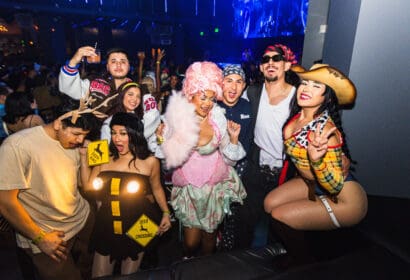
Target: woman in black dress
[127, 188]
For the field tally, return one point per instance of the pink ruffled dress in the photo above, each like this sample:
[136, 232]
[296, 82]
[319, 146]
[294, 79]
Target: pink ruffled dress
[205, 186]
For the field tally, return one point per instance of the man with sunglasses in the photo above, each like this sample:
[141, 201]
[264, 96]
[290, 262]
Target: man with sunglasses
[270, 109]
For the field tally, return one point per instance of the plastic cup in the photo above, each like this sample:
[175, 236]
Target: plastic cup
[95, 58]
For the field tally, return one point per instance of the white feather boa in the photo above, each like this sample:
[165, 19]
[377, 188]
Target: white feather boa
[181, 131]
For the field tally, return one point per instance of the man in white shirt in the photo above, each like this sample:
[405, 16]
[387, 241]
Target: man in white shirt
[270, 110]
[39, 193]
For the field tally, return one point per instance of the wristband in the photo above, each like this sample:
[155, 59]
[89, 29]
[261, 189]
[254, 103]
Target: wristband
[39, 237]
[70, 67]
[158, 62]
[166, 213]
[160, 140]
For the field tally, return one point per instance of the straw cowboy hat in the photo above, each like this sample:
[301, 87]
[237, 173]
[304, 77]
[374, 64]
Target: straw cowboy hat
[330, 76]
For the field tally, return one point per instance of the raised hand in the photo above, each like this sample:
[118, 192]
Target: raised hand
[81, 52]
[160, 130]
[317, 147]
[54, 246]
[141, 55]
[233, 130]
[160, 54]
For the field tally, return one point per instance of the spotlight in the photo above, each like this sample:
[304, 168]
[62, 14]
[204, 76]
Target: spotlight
[97, 183]
[133, 187]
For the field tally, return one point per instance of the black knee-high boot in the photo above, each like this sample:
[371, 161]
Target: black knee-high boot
[295, 243]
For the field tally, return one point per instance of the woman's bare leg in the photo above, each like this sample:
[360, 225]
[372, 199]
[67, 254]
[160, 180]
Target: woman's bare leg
[128, 266]
[192, 239]
[102, 265]
[293, 190]
[290, 205]
[351, 207]
[208, 242]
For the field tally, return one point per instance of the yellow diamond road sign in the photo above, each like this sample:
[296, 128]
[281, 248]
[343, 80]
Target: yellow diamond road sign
[143, 231]
[98, 152]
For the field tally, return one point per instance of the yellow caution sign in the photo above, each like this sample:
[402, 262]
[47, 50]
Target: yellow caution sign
[143, 231]
[98, 152]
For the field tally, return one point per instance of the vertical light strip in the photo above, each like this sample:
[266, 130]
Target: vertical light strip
[196, 7]
[166, 6]
[136, 26]
[214, 7]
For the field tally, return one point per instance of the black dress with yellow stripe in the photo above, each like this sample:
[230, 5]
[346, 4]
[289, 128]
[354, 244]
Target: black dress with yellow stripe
[121, 229]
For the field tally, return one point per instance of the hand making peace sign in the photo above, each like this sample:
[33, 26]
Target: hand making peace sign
[317, 147]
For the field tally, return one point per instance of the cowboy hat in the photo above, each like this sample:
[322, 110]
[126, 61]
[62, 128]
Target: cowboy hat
[344, 88]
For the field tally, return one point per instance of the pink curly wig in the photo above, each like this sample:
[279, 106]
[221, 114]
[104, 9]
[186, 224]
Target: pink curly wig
[201, 76]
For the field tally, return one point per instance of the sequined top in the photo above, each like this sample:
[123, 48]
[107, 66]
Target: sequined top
[328, 170]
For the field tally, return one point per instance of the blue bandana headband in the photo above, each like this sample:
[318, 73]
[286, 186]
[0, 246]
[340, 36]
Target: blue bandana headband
[234, 69]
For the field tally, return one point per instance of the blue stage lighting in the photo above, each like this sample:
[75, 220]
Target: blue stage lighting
[124, 23]
[136, 26]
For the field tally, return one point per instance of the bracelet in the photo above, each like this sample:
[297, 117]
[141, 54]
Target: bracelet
[160, 140]
[39, 237]
[166, 213]
[158, 62]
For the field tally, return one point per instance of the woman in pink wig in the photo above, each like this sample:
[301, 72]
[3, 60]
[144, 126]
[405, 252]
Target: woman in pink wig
[201, 145]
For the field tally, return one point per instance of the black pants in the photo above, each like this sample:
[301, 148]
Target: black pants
[258, 183]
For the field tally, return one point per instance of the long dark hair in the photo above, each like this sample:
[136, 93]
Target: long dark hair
[118, 105]
[137, 143]
[332, 106]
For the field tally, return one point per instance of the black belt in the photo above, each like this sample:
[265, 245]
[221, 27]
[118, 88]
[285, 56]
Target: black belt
[275, 171]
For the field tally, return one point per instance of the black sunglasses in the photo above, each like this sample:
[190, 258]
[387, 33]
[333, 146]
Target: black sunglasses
[275, 58]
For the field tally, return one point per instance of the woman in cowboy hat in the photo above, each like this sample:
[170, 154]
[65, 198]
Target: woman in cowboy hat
[320, 198]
